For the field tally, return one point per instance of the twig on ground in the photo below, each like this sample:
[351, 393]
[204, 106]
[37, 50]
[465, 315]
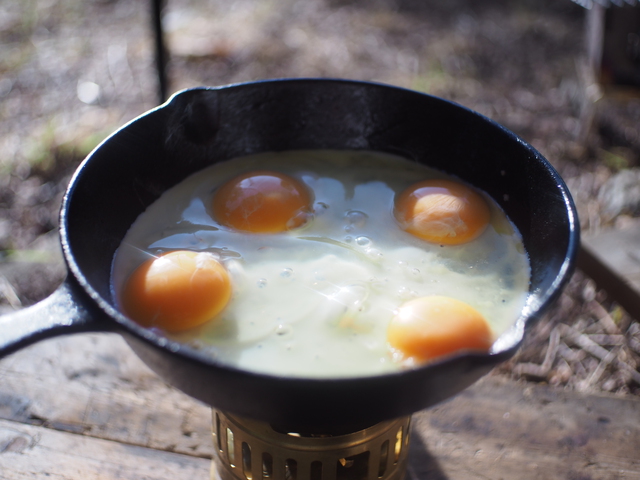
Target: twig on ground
[605, 339]
[588, 345]
[595, 376]
[604, 319]
[542, 370]
[9, 293]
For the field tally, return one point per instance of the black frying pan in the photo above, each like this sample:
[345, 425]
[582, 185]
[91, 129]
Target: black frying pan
[198, 127]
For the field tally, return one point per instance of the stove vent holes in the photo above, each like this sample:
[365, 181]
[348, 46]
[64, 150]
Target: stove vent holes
[355, 467]
[290, 469]
[384, 456]
[316, 471]
[246, 461]
[246, 457]
[267, 465]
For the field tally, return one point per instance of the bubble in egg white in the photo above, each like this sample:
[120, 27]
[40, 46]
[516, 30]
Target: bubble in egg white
[363, 241]
[320, 208]
[373, 254]
[354, 219]
[299, 221]
[284, 329]
[403, 293]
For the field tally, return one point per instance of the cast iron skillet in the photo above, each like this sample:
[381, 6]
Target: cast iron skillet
[198, 127]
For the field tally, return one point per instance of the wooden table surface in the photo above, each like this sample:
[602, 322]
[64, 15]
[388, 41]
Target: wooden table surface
[612, 258]
[85, 408]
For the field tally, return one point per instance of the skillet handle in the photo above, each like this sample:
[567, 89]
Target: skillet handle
[64, 311]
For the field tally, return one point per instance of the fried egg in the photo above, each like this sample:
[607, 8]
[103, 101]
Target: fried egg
[323, 264]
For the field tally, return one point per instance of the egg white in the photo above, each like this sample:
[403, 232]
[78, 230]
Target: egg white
[316, 301]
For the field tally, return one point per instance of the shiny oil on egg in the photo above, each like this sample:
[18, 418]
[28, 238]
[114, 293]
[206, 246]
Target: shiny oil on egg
[323, 264]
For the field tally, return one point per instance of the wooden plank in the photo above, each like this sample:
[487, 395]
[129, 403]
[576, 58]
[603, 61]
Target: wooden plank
[612, 259]
[94, 385]
[501, 430]
[88, 393]
[29, 452]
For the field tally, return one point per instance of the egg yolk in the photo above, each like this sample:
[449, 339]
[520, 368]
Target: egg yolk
[442, 211]
[262, 202]
[429, 327]
[177, 290]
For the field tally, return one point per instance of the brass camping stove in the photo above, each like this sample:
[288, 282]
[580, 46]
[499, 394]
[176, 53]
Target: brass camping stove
[254, 450]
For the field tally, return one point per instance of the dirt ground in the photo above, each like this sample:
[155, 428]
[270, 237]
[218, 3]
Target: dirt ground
[72, 71]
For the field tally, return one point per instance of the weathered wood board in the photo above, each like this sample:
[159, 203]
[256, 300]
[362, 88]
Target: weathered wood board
[502, 430]
[94, 385]
[612, 259]
[84, 407]
[30, 452]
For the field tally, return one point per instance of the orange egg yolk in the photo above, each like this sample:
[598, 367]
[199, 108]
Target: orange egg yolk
[177, 291]
[442, 211]
[429, 327]
[262, 202]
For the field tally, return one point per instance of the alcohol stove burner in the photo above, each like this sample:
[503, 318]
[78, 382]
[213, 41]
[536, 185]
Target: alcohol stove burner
[254, 450]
